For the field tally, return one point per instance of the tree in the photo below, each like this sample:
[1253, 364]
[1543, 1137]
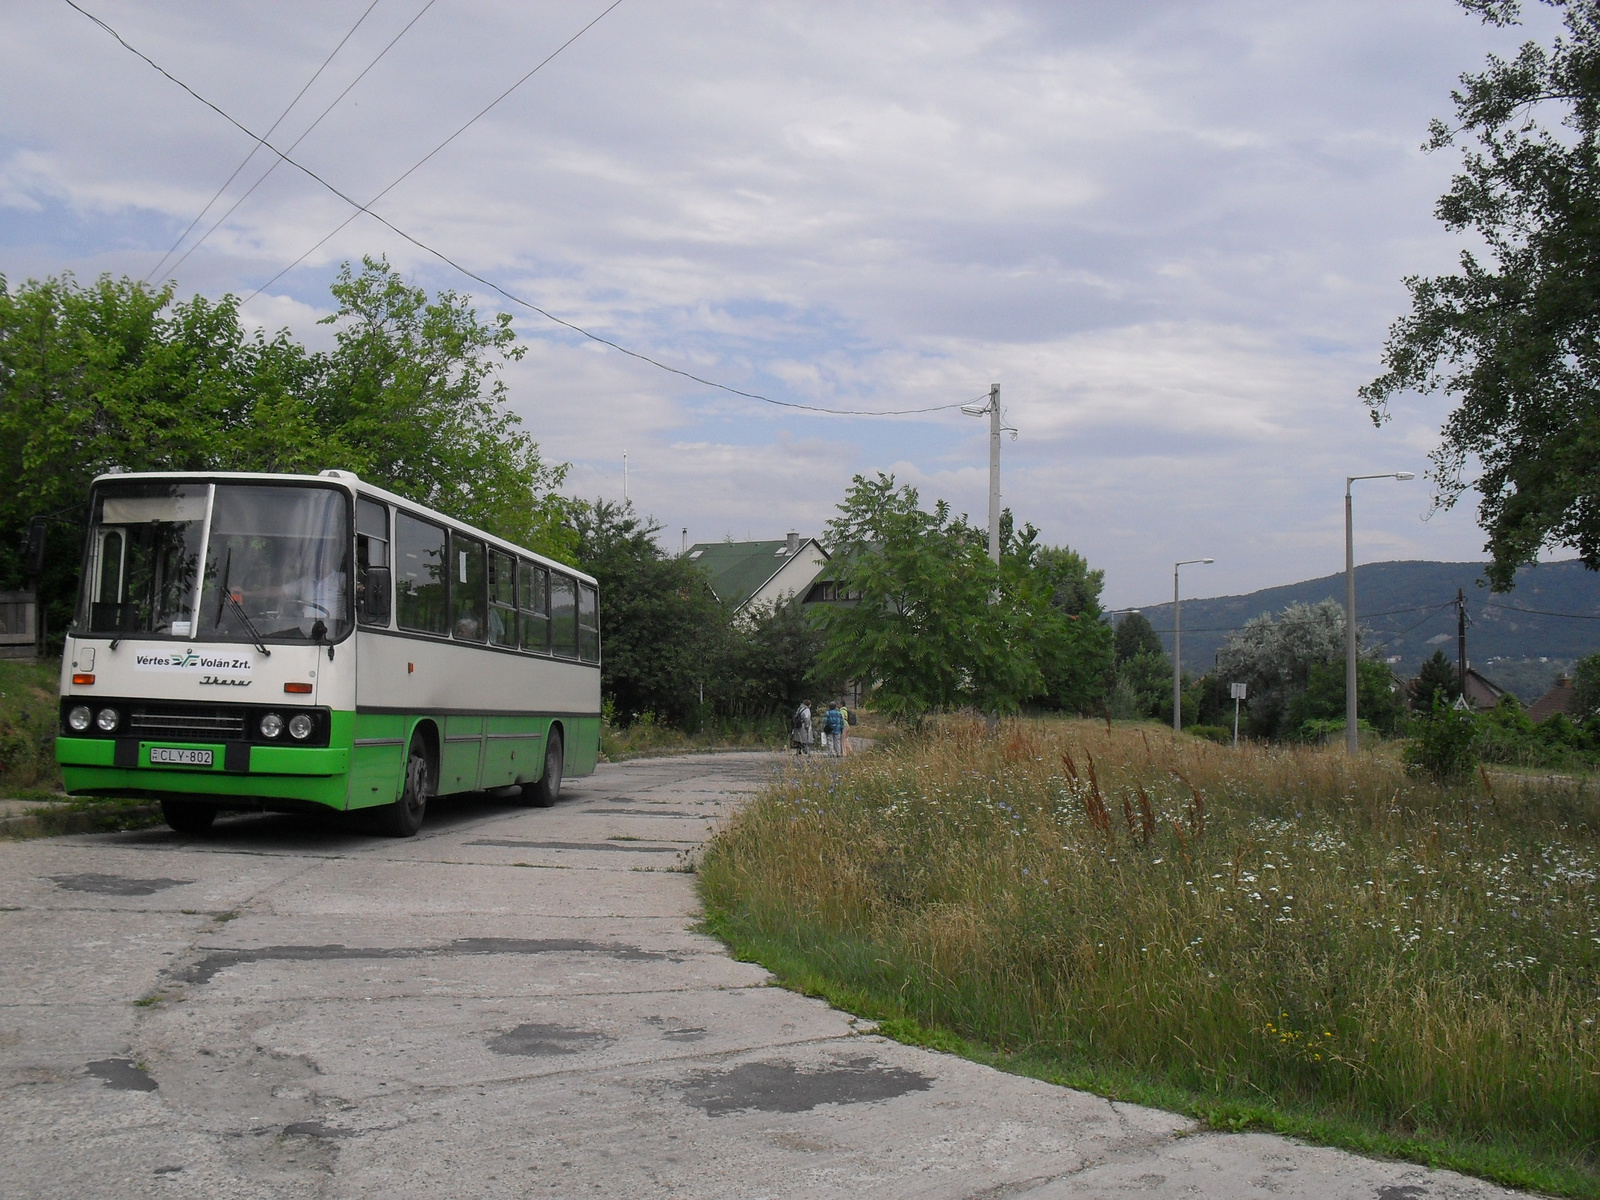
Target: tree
[1437, 677]
[1058, 598]
[1135, 635]
[1586, 690]
[936, 625]
[116, 374]
[772, 663]
[664, 630]
[412, 397]
[1377, 698]
[1513, 333]
[1275, 658]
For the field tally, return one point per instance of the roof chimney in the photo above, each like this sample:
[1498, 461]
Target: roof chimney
[794, 542]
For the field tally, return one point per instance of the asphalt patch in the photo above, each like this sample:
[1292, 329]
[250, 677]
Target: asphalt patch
[115, 885]
[120, 1075]
[206, 968]
[314, 1129]
[1406, 1191]
[778, 1085]
[535, 1040]
[642, 812]
[623, 846]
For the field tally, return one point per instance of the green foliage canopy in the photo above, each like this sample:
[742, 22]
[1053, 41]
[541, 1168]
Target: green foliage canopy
[1135, 635]
[115, 374]
[938, 625]
[1513, 333]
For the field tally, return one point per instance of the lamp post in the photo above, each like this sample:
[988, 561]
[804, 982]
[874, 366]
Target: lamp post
[1352, 740]
[1177, 646]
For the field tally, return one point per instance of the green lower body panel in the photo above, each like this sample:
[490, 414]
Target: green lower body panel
[582, 748]
[310, 774]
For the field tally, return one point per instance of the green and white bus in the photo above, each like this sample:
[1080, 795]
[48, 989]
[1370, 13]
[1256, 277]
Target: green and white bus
[293, 643]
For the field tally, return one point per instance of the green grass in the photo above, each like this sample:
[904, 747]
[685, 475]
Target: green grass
[28, 719]
[647, 737]
[1264, 938]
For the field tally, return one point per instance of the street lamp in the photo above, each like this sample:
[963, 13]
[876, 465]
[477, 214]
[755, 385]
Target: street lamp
[1352, 741]
[1177, 646]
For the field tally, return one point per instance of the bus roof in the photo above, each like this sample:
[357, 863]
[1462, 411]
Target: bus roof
[354, 484]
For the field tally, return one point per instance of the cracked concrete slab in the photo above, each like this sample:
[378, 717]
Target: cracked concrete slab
[515, 1002]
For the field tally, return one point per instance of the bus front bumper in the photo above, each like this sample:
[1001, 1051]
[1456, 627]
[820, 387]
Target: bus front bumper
[122, 766]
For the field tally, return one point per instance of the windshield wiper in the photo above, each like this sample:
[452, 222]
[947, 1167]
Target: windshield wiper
[229, 598]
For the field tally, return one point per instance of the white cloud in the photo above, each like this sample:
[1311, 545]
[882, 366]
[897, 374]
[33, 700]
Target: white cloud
[1172, 231]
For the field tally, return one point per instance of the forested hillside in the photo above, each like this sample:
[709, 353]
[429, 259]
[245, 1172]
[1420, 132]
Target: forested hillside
[1409, 607]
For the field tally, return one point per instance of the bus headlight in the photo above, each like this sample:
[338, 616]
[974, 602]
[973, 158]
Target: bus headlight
[107, 720]
[271, 725]
[78, 719]
[300, 727]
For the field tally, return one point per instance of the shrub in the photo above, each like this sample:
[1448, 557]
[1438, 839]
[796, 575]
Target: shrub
[1444, 744]
[1221, 734]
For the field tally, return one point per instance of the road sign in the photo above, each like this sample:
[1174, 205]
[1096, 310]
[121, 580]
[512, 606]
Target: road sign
[1236, 691]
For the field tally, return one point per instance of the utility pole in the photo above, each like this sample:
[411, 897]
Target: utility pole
[1461, 642]
[996, 428]
[994, 472]
[1352, 736]
[624, 476]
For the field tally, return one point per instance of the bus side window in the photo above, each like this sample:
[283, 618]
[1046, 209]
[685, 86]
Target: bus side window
[564, 615]
[533, 585]
[420, 569]
[468, 590]
[588, 623]
[502, 599]
[372, 551]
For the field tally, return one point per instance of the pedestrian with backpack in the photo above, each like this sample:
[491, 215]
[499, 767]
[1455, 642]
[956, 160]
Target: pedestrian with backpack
[844, 734]
[800, 728]
[833, 730]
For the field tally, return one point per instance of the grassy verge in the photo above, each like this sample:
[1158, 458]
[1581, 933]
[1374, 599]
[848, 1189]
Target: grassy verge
[1272, 938]
[84, 814]
[645, 738]
[28, 718]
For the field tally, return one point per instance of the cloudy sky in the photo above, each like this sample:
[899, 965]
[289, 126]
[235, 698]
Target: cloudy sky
[1173, 231]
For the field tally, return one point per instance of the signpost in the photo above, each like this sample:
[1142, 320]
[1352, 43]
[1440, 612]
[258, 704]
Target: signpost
[1237, 691]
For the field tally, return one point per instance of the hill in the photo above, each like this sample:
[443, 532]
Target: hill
[1409, 609]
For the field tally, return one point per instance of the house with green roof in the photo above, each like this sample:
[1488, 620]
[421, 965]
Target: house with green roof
[753, 575]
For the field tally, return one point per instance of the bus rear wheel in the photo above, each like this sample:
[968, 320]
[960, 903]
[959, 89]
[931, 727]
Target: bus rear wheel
[185, 816]
[404, 817]
[548, 790]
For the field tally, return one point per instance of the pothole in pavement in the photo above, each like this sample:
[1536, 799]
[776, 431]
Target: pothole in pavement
[217, 960]
[115, 885]
[537, 1040]
[121, 1075]
[778, 1085]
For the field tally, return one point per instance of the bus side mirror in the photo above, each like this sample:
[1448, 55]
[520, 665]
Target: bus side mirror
[375, 597]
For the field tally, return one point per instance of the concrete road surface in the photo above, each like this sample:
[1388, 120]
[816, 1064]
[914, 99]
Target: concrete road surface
[511, 1004]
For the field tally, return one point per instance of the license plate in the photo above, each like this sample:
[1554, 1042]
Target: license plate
[178, 756]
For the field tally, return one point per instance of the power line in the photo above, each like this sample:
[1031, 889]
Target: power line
[447, 260]
[245, 161]
[305, 134]
[1539, 612]
[414, 166]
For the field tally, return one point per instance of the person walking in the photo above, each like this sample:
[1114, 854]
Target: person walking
[844, 734]
[833, 729]
[800, 728]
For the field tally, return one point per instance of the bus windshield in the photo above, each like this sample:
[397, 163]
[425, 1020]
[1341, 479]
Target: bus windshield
[277, 562]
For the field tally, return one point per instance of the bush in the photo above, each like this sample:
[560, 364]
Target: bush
[1444, 744]
[1221, 734]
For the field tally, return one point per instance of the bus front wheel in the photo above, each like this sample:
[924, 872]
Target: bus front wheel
[548, 790]
[404, 817]
[185, 816]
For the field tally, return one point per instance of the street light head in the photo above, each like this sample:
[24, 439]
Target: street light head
[1208, 560]
[975, 410]
[1405, 474]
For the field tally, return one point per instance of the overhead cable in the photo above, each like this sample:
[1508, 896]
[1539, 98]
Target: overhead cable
[305, 134]
[515, 299]
[245, 161]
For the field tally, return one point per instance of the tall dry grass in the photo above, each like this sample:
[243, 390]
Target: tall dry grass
[1326, 934]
